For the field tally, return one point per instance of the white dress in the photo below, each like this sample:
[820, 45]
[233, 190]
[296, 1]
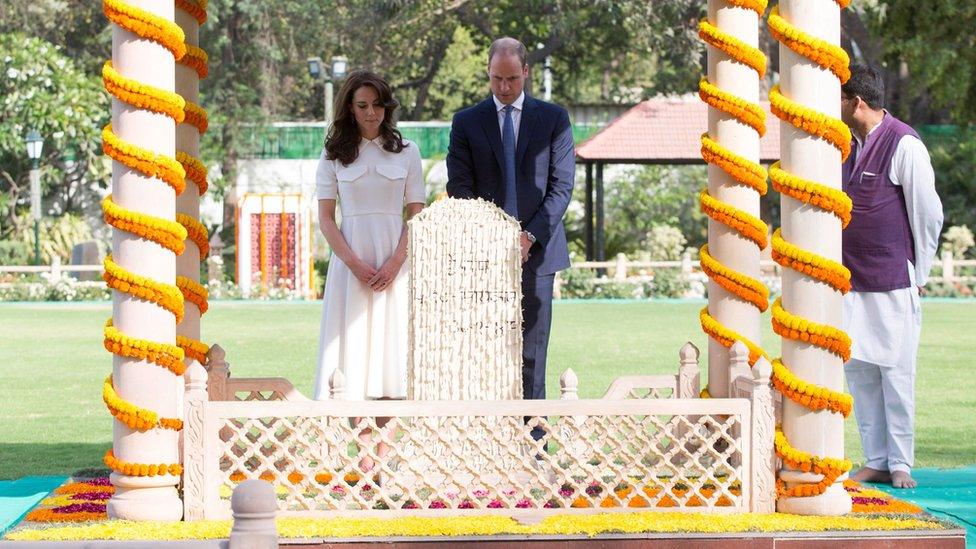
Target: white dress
[364, 333]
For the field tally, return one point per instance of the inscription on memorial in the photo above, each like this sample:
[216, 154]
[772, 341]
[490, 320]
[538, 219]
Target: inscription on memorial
[465, 303]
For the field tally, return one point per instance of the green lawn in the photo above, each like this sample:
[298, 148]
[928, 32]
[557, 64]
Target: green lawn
[52, 420]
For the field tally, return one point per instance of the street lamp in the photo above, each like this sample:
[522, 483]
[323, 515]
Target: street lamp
[336, 71]
[35, 144]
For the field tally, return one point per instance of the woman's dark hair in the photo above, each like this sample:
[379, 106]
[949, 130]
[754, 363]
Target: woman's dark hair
[342, 143]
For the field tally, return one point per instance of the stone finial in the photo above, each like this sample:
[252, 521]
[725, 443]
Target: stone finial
[688, 353]
[762, 370]
[337, 385]
[196, 381]
[569, 385]
[254, 506]
[216, 354]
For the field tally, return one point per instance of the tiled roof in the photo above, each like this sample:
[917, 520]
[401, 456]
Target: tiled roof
[664, 131]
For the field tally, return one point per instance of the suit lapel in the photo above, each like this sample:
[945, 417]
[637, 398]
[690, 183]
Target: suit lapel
[489, 121]
[526, 126]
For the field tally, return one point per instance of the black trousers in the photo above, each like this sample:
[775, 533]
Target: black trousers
[536, 321]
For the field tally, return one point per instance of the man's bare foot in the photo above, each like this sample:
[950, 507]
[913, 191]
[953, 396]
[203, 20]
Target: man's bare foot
[867, 474]
[903, 479]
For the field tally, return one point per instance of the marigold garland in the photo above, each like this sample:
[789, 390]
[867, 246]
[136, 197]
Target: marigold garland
[830, 272]
[147, 25]
[807, 394]
[798, 328]
[747, 172]
[193, 349]
[195, 171]
[197, 60]
[749, 56]
[140, 469]
[139, 419]
[196, 232]
[166, 233]
[833, 130]
[746, 288]
[195, 10]
[143, 160]
[196, 116]
[748, 113]
[826, 198]
[728, 337]
[194, 292]
[142, 95]
[161, 354]
[830, 468]
[167, 296]
[745, 224]
[758, 6]
[821, 52]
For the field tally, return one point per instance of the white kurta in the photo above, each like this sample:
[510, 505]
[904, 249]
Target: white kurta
[885, 326]
[364, 332]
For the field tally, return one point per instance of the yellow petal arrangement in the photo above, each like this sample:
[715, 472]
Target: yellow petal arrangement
[166, 233]
[749, 289]
[143, 160]
[833, 200]
[832, 273]
[141, 95]
[751, 56]
[139, 419]
[821, 52]
[169, 234]
[161, 354]
[194, 292]
[745, 171]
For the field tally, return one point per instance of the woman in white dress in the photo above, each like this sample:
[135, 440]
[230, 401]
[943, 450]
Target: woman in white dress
[374, 174]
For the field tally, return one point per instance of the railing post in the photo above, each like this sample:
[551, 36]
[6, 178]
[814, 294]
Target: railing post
[738, 366]
[557, 285]
[219, 374]
[689, 372]
[620, 271]
[254, 506]
[337, 385]
[947, 267]
[568, 385]
[194, 464]
[763, 461]
[686, 266]
[55, 268]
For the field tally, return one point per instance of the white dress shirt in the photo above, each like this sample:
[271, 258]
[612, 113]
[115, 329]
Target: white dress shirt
[516, 114]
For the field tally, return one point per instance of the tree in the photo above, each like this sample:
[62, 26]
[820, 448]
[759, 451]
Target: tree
[43, 89]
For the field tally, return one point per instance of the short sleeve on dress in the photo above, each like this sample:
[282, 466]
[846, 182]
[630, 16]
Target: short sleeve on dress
[414, 192]
[326, 184]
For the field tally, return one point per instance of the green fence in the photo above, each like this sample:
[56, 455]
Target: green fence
[287, 142]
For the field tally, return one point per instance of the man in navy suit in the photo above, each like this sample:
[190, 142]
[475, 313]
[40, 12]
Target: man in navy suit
[518, 153]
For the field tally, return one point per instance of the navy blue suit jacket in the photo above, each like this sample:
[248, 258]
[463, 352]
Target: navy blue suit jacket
[545, 168]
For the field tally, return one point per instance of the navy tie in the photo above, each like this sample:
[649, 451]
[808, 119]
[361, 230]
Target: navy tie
[508, 144]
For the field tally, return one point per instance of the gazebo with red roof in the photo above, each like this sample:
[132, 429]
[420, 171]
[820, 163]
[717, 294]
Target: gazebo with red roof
[656, 131]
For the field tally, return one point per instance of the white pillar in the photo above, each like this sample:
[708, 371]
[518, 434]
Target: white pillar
[139, 382]
[188, 204]
[725, 244]
[820, 433]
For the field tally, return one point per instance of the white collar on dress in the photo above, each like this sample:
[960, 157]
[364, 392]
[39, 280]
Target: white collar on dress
[377, 141]
[517, 103]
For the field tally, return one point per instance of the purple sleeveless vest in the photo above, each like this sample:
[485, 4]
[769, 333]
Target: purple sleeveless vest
[877, 243]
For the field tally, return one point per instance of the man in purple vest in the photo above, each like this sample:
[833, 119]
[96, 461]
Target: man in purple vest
[889, 247]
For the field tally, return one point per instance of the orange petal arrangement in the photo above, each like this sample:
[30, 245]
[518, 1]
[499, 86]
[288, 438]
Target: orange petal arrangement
[829, 272]
[168, 234]
[741, 170]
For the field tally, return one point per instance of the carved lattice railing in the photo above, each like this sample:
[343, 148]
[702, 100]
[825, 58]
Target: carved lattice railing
[478, 457]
